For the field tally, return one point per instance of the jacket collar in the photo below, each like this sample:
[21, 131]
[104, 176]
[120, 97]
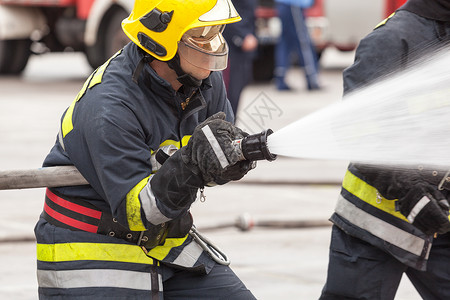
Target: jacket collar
[431, 9]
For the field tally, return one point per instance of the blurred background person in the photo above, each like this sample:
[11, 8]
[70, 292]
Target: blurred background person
[242, 50]
[295, 39]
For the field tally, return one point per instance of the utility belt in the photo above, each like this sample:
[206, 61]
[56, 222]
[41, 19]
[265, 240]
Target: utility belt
[79, 215]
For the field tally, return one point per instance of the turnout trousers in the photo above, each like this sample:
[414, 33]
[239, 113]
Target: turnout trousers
[84, 265]
[358, 270]
[295, 39]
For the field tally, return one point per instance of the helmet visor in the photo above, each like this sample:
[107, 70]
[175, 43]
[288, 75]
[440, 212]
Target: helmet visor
[205, 47]
[223, 10]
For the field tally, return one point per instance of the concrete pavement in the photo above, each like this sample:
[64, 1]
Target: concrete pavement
[274, 263]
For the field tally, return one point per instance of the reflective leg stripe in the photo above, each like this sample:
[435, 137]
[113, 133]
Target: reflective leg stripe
[67, 279]
[215, 146]
[417, 208]
[379, 228]
[92, 251]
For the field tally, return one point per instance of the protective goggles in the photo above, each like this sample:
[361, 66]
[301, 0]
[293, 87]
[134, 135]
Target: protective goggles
[205, 47]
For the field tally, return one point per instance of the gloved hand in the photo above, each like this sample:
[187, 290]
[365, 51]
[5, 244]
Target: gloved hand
[197, 164]
[426, 208]
[419, 201]
[211, 154]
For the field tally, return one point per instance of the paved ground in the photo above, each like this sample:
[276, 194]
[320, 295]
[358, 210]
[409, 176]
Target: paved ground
[274, 263]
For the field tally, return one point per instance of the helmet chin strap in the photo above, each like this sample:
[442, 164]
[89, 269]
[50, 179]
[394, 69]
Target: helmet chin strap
[183, 77]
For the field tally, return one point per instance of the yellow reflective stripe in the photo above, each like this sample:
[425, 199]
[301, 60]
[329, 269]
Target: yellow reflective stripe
[67, 124]
[384, 21]
[133, 205]
[101, 70]
[168, 142]
[160, 252]
[92, 251]
[185, 140]
[93, 79]
[369, 194]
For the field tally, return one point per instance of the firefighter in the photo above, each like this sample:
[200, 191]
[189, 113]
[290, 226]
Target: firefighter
[392, 221]
[295, 38]
[150, 128]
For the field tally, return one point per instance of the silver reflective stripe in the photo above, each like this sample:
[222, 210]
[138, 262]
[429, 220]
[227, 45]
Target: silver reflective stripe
[379, 228]
[68, 279]
[61, 139]
[417, 208]
[215, 146]
[189, 256]
[151, 210]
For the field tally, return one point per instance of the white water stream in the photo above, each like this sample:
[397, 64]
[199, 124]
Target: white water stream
[401, 120]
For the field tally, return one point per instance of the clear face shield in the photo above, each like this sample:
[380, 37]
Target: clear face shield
[205, 47]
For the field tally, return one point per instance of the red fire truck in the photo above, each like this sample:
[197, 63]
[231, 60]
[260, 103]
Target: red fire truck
[37, 26]
[343, 23]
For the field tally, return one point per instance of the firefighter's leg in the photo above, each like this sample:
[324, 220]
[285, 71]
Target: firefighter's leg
[305, 48]
[83, 265]
[433, 284]
[283, 47]
[358, 270]
[220, 283]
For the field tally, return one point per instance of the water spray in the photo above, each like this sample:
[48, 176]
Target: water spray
[401, 120]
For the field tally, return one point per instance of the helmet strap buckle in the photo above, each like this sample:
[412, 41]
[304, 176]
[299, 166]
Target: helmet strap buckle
[156, 20]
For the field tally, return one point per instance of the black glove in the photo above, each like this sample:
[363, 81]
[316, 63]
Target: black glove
[177, 181]
[211, 154]
[426, 208]
[419, 201]
[175, 186]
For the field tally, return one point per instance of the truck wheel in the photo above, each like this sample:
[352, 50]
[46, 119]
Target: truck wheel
[110, 38]
[14, 56]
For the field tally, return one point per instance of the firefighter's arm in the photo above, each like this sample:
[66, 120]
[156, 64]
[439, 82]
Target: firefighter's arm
[209, 158]
[420, 202]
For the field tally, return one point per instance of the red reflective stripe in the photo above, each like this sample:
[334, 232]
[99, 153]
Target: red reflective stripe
[69, 221]
[74, 207]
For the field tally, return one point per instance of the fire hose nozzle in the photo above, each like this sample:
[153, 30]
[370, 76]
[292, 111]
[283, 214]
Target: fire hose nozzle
[254, 147]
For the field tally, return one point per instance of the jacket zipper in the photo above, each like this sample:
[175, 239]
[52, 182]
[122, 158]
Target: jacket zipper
[185, 103]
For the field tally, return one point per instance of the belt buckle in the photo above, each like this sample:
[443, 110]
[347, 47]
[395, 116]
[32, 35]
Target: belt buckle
[142, 238]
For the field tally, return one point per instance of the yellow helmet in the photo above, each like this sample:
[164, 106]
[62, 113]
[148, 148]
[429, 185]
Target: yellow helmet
[157, 26]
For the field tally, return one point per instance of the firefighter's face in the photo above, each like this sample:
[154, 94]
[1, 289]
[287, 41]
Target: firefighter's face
[194, 71]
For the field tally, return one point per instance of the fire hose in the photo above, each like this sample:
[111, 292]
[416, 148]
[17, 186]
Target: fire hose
[253, 147]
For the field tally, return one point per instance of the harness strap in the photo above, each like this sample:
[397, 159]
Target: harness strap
[79, 215]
